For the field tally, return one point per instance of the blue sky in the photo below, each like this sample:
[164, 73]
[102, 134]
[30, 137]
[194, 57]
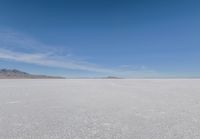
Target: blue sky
[89, 38]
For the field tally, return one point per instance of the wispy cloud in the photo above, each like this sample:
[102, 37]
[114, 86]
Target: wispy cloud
[22, 43]
[20, 48]
[51, 61]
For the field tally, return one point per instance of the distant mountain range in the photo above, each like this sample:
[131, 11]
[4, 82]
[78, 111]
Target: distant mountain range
[112, 77]
[17, 74]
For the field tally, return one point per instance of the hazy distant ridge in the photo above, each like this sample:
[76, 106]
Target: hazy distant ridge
[17, 74]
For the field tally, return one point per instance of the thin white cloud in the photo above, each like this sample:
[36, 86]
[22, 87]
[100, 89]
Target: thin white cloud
[20, 48]
[51, 61]
[17, 42]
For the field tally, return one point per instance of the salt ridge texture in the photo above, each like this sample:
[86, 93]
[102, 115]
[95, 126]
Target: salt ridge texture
[100, 109]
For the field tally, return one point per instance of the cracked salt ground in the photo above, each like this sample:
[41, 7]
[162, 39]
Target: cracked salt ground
[100, 109]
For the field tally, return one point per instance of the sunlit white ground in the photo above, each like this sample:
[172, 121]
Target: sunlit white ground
[100, 109]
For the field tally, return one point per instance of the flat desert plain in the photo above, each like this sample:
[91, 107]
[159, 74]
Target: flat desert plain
[100, 109]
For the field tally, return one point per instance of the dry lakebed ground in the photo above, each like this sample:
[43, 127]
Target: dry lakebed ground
[100, 109]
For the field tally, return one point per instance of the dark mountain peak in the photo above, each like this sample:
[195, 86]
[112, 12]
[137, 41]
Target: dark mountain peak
[12, 71]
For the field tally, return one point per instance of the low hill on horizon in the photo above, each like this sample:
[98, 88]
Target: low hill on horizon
[18, 74]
